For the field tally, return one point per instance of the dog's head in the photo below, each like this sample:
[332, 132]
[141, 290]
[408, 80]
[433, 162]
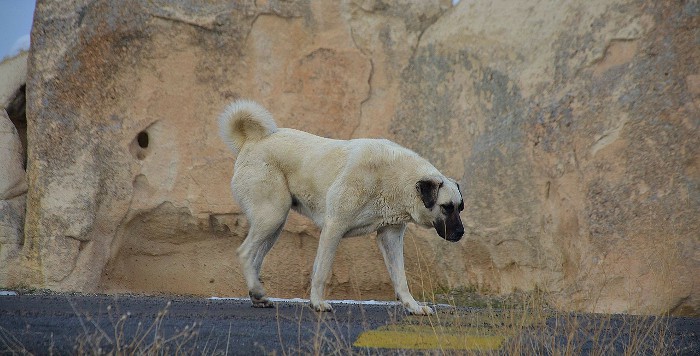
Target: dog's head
[442, 201]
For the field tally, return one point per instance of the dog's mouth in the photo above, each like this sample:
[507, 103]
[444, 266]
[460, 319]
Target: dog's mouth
[449, 233]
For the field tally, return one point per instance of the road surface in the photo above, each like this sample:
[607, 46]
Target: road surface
[70, 324]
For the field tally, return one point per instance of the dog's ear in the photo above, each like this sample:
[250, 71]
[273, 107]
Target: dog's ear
[428, 190]
[461, 203]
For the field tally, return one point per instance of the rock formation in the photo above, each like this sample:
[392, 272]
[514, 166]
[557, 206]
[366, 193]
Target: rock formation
[573, 129]
[13, 184]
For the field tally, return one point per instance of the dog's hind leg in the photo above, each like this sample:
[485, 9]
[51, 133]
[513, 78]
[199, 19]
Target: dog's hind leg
[390, 240]
[266, 208]
[262, 236]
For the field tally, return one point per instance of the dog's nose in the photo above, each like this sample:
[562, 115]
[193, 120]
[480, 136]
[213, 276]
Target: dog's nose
[456, 235]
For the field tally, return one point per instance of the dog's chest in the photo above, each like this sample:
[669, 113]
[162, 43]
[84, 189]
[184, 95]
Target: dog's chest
[372, 221]
[363, 229]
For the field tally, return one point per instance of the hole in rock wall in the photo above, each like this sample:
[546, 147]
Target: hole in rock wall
[142, 139]
[139, 147]
[17, 111]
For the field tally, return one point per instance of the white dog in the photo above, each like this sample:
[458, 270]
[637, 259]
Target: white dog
[347, 187]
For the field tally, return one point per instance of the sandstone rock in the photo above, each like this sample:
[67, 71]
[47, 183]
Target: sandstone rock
[573, 129]
[13, 182]
[131, 180]
[12, 175]
[577, 140]
[13, 190]
[13, 74]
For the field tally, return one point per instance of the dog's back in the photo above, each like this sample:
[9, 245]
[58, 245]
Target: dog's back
[311, 164]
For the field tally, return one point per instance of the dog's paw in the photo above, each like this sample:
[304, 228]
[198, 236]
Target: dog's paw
[260, 301]
[265, 303]
[420, 310]
[322, 306]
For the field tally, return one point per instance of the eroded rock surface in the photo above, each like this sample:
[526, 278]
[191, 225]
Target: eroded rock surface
[13, 182]
[575, 129]
[572, 128]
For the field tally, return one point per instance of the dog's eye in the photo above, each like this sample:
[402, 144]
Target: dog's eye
[447, 208]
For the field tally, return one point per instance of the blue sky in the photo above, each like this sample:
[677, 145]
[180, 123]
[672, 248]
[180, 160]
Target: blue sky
[15, 25]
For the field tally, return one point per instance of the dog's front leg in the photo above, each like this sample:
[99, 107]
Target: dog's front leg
[390, 241]
[328, 243]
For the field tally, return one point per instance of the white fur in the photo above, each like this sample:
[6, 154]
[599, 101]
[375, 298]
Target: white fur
[241, 110]
[347, 187]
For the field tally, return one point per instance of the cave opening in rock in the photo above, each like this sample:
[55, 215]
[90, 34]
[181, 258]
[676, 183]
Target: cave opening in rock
[17, 111]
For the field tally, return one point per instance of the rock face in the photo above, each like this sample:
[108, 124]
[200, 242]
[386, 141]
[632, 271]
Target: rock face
[130, 182]
[13, 189]
[575, 130]
[572, 128]
[13, 183]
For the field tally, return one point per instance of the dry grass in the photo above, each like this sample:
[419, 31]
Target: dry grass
[529, 326]
[146, 339]
[327, 336]
[521, 324]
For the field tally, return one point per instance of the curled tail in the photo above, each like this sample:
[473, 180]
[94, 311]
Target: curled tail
[245, 121]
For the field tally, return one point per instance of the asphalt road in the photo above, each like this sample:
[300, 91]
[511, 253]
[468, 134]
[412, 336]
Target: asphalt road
[64, 324]
[98, 324]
